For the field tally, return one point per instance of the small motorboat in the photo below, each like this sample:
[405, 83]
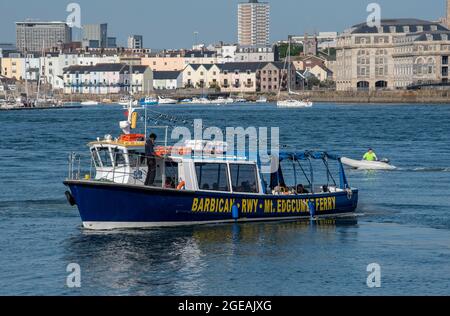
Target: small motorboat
[186, 101]
[162, 100]
[291, 103]
[89, 103]
[201, 101]
[368, 165]
[262, 100]
[148, 101]
[222, 100]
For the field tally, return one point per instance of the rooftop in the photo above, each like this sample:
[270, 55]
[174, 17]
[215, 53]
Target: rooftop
[387, 26]
[166, 75]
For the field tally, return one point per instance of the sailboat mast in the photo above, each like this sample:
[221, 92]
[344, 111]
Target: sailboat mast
[289, 63]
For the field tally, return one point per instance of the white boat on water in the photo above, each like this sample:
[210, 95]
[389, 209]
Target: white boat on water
[162, 101]
[291, 103]
[262, 100]
[222, 100]
[89, 103]
[201, 101]
[367, 165]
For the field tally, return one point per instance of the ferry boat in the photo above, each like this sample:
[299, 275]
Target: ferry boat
[199, 183]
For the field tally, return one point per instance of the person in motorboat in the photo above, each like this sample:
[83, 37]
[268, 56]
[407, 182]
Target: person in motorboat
[151, 161]
[301, 189]
[370, 155]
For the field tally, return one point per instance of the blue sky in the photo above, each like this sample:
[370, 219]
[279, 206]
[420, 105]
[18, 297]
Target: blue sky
[171, 23]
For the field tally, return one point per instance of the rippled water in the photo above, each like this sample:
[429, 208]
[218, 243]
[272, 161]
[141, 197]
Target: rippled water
[403, 222]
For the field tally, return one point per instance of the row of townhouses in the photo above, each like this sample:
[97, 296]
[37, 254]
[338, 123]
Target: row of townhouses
[267, 77]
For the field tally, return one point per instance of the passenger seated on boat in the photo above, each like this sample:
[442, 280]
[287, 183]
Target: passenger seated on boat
[325, 189]
[205, 186]
[245, 187]
[301, 189]
[169, 183]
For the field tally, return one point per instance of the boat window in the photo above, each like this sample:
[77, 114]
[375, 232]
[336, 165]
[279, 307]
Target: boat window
[244, 178]
[136, 159]
[212, 176]
[105, 157]
[119, 158]
[95, 158]
[171, 175]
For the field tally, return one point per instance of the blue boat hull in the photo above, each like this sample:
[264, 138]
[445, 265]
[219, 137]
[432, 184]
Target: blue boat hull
[110, 206]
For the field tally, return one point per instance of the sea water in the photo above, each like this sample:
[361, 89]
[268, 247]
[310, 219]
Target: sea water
[403, 222]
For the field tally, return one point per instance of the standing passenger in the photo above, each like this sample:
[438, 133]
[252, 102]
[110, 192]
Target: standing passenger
[151, 161]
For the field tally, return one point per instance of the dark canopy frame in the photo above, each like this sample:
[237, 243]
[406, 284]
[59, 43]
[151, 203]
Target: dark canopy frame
[277, 178]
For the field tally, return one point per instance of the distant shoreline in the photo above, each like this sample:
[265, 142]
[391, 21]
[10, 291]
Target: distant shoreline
[338, 97]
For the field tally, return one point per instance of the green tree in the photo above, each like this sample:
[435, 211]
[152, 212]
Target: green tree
[296, 49]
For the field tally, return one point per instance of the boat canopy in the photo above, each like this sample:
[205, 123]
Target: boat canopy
[277, 178]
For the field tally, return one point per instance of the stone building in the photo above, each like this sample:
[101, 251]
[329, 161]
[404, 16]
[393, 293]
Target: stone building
[365, 55]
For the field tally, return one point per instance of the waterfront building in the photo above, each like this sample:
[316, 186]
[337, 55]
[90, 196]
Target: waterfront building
[253, 23]
[421, 59]
[167, 80]
[273, 77]
[34, 37]
[202, 76]
[200, 57]
[136, 42]
[239, 77]
[179, 59]
[95, 35]
[20, 67]
[254, 54]
[107, 79]
[165, 61]
[365, 55]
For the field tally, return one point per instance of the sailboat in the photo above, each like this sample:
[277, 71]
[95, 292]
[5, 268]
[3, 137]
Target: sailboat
[291, 103]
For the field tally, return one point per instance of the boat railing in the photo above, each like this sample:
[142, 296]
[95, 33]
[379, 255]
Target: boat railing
[133, 170]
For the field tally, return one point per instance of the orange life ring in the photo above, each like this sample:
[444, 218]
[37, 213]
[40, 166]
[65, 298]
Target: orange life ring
[182, 185]
[132, 138]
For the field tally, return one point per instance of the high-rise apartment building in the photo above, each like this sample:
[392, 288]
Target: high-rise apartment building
[136, 42]
[254, 23]
[95, 35]
[37, 36]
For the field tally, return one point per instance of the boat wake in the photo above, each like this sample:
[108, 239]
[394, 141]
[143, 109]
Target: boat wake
[430, 169]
